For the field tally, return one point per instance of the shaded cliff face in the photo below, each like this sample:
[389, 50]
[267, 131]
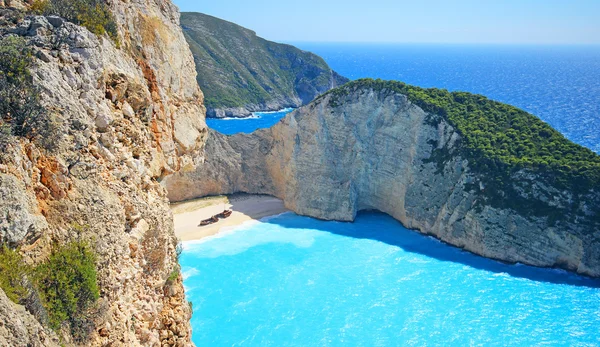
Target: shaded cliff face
[368, 148]
[127, 118]
[241, 73]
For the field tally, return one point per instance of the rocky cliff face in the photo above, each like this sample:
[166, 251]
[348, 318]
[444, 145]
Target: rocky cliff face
[128, 117]
[20, 328]
[375, 149]
[241, 73]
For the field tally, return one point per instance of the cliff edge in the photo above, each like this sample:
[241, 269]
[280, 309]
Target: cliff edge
[477, 174]
[125, 112]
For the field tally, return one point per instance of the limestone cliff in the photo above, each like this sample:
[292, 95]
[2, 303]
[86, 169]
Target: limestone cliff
[366, 147]
[128, 116]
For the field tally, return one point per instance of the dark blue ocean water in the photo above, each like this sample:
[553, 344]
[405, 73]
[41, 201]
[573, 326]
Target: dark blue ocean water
[559, 84]
[297, 281]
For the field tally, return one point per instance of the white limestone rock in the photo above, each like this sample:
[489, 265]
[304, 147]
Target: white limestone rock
[372, 150]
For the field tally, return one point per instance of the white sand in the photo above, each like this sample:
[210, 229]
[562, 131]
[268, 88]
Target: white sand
[188, 214]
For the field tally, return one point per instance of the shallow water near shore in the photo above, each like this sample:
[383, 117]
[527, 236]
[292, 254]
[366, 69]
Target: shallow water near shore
[296, 281]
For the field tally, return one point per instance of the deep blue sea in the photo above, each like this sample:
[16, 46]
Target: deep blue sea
[297, 281]
[559, 84]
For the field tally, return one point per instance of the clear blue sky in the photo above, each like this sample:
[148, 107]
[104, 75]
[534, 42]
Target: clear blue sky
[424, 21]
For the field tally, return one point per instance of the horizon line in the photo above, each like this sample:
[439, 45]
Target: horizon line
[445, 43]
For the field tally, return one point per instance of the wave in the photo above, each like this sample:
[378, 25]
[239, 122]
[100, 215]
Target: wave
[258, 114]
[189, 272]
[240, 118]
[286, 110]
[239, 239]
[268, 218]
[223, 232]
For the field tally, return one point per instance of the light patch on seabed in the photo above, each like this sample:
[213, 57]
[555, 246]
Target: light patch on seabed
[248, 235]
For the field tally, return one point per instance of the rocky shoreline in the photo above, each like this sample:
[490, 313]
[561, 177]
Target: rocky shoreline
[248, 110]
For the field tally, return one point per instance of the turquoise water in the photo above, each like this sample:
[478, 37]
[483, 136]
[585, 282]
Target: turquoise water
[297, 281]
[258, 120]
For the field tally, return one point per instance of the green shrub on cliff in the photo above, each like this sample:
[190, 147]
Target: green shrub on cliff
[500, 140]
[92, 14]
[12, 273]
[68, 284]
[21, 111]
[63, 289]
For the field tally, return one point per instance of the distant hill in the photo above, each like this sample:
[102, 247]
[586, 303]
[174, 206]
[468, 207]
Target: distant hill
[240, 72]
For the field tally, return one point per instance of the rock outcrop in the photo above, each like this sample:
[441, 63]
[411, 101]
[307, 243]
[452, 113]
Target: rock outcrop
[375, 149]
[129, 113]
[20, 329]
[241, 73]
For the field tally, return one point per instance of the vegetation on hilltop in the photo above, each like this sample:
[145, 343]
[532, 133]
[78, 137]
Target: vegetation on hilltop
[499, 141]
[236, 68]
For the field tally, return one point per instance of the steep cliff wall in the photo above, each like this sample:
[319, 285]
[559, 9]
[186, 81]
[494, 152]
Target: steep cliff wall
[127, 117]
[364, 148]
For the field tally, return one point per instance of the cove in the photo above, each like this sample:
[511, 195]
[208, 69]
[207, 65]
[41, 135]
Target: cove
[296, 281]
[258, 120]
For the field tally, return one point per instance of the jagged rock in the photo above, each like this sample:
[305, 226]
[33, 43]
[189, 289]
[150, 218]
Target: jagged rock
[55, 21]
[18, 328]
[17, 219]
[18, 4]
[127, 117]
[103, 121]
[38, 26]
[128, 110]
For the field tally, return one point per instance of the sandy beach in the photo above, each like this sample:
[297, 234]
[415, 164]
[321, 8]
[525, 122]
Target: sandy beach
[245, 207]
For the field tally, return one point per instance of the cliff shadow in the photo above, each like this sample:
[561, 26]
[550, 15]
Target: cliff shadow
[383, 228]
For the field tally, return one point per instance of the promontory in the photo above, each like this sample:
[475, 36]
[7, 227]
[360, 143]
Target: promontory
[475, 173]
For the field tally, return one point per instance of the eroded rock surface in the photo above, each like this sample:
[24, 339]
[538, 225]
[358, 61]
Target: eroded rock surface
[18, 328]
[373, 150]
[128, 115]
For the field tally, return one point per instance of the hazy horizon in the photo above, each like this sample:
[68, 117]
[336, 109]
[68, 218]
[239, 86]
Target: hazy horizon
[382, 43]
[552, 22]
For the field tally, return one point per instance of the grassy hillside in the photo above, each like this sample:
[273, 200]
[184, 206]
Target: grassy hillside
[236, 68]
[500, 141]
